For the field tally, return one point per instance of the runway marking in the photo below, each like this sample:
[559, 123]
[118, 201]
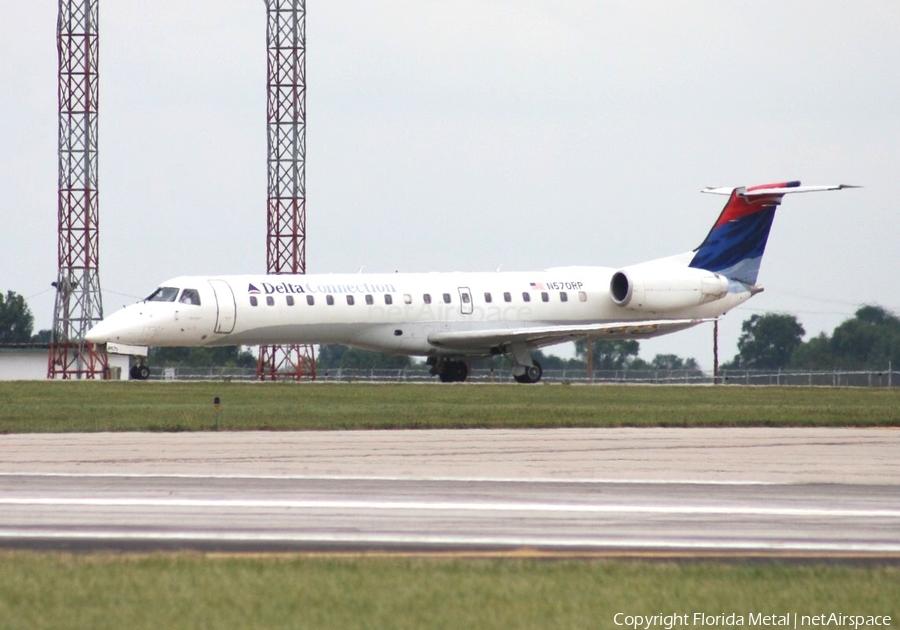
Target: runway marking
[536, 480]
[342, 504]
[456, 541]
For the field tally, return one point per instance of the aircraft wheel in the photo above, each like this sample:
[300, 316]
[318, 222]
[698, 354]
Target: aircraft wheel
[143, 372]
[532, 374]
[454, 372]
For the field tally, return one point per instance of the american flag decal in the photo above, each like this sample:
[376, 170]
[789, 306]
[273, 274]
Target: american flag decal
[537, 286]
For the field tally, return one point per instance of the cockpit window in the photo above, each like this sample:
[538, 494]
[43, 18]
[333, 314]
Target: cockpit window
[190, 296]
[163, 294]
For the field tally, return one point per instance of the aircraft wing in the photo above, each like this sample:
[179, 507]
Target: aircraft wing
[548, 335]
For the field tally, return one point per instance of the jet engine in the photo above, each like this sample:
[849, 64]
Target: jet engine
[655, 289]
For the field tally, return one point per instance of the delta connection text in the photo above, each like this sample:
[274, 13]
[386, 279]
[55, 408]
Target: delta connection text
[759, 619]
[287, 288]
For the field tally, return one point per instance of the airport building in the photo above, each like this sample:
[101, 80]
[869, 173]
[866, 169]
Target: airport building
[28, 362]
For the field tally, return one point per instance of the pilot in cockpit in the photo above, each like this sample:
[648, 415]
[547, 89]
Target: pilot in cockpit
[190, 296]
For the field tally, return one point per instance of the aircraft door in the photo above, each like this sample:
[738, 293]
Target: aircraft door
[465, 301]
[226, 309]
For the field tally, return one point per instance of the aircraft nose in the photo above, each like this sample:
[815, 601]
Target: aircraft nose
[101, 333]
[118, 327]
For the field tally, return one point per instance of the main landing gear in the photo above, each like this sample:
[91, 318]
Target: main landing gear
[532, 374]
[449, 370]
[524, 368]
[455, 371]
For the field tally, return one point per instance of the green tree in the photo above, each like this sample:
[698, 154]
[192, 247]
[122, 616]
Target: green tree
[553, 362]
[673, 362]
[610, 354]
[814, 354]
[868, 340]
[334, 356]
[16, 320]
[42, 336]
[220, 356]
[768, 341]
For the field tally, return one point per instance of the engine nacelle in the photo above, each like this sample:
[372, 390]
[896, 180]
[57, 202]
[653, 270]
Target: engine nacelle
[656, 289]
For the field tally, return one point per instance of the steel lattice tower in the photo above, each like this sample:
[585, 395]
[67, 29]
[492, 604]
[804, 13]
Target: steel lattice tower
[78, 301]
[286, 215]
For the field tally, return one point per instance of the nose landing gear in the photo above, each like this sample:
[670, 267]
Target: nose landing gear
[139, 372]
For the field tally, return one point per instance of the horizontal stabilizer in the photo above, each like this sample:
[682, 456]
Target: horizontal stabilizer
[777, 189]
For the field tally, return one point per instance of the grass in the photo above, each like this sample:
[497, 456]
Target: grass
[193, 591]
[153, 406]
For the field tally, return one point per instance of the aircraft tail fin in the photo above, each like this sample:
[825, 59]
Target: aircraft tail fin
[735, 245]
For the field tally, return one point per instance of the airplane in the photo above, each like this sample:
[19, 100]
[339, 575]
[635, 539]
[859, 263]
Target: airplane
[450, 318]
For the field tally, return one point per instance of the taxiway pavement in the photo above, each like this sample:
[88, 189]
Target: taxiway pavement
[731, 491]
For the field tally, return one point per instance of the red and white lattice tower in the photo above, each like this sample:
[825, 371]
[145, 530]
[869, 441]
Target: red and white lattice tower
[286, 216]
[78, 302]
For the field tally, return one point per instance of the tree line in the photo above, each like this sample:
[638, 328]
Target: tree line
[870, 339]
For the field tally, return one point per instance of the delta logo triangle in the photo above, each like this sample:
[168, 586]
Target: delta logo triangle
[252, 290]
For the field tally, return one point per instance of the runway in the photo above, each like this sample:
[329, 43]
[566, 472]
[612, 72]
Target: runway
[738, 492]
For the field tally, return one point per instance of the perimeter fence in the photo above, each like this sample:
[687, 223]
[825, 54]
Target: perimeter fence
[420, 374]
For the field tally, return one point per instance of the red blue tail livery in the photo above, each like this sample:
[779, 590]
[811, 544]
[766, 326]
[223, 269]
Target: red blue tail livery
[735, 245]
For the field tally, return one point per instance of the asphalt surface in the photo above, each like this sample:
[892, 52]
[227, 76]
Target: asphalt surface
[694, 492]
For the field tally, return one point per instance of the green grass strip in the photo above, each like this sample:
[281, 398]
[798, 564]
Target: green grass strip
[193, 591]
[155, 406]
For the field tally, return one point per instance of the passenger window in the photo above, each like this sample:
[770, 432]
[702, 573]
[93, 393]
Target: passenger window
[466, 298]
[310, 300]
[407, 298]
[545, 297]
[563, 296]
[350, 300]
[388, 299]
[427, 298]
[526, 296]
[270, 300]
[190, 296]
[582, 296]
[253, 300]
[370, 300]
[488, 298]
[507, 297]
[163, 294]
[329, 300]
[446, 298]
[289, 299]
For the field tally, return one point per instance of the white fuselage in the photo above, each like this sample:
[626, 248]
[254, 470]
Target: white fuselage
[407, 313]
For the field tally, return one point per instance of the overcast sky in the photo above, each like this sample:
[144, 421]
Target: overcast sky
[472, 134]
